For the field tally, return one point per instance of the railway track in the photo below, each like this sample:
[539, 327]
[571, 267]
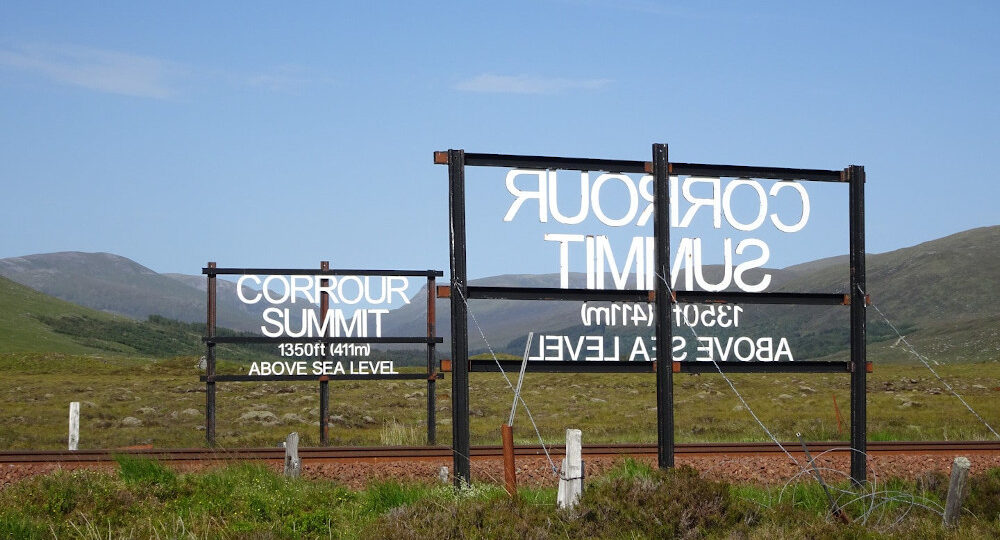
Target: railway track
[437, 453]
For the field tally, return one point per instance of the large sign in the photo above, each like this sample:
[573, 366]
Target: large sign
[315, 307]
[709, 202]
[603, 270]
[671, 195]
[323, 323]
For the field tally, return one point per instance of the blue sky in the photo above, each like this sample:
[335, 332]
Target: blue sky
[281, 135]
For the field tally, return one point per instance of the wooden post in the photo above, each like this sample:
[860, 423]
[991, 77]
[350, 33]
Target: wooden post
[859, 318]
[431, 363]
[74, 425]
[956, 490]
[507, 430]
[459, 320]
[571, 476]
[324, 381]
[509, 474]
[664, 305]
[293, 465]
[210, 358]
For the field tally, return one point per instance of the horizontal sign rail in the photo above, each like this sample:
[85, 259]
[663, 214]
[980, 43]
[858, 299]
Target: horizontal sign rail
[315, 378]
[285, 339]
[643, 167]
[315, 272]
[743, 171]
[545, 162]
[739, 297]
[477, 292]
[799, 366]
[555, 366]
[480, 365]
[552, 293]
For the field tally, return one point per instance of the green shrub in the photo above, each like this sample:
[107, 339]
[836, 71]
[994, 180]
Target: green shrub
[633, 501]
[630, 469]
[15, 526]
[984, 495]
[674, 502]
[147, 473]
[380, 498]
[141, 470]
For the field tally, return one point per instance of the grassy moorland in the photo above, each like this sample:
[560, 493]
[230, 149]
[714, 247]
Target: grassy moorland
[129, 401]
[144, 499]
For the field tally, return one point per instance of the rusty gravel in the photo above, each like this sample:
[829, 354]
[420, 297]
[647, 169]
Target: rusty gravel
[535, 472]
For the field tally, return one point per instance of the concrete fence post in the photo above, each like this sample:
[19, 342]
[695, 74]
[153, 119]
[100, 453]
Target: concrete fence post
[956, 490]
[571, 475]
[293, 465]
[74, 425]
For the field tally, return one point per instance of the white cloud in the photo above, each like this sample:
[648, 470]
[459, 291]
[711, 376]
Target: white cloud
[96, 69]
[525, 84]
[286, 78]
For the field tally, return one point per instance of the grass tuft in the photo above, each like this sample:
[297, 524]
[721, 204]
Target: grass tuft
[984, 495]
[16, 526]
[382, 497]
[395, 433]
[141, 470]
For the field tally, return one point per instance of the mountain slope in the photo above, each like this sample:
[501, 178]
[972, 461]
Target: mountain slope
[115, 284]
[927, 287]
[20, 329]
[31, 321]
[923, 289]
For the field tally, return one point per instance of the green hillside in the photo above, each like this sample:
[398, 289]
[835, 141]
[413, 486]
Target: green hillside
[31, 321]
[947, 279]
[22, 331]
[114, 284]
[944, 293]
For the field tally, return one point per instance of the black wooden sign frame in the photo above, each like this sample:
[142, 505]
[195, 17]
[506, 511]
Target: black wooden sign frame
[211, 340]
[661, 169]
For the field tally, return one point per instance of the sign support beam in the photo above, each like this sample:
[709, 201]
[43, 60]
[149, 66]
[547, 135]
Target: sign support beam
[459, 319]
[431, 364]
[210, 361]
[324, 384]
[859, 405]
[664, 339]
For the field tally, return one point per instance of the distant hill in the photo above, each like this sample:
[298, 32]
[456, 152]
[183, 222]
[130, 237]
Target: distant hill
[952, 278]
[31, 321]
[941, 288]
[115, 284]
[932, 289]
[20, 329]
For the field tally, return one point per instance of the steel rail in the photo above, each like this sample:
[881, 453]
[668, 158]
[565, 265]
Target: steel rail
[420, 453]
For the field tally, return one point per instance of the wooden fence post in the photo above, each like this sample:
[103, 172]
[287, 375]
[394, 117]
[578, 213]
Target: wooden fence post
[956, 490]
[293, 465]
[509, 472]
[571, 476]
[74, 425]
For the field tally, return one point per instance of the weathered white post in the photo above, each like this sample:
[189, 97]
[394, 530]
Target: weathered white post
[293, 466]
[74, 425]
[956, 490]
[571, 476]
